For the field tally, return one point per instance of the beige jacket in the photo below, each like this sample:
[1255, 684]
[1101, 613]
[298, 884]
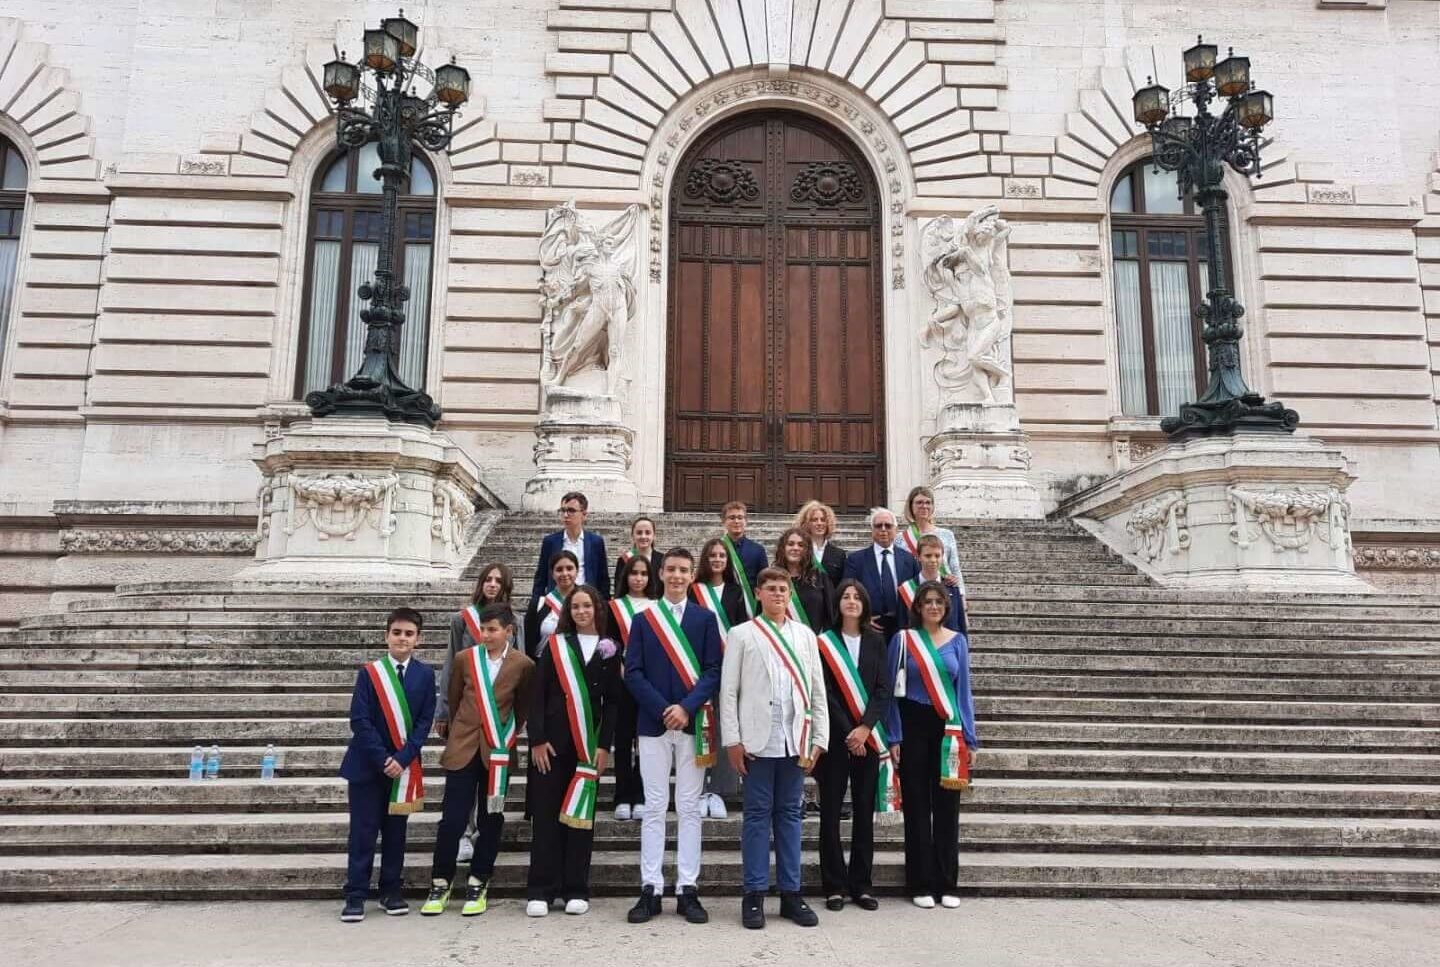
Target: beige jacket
[745, 688]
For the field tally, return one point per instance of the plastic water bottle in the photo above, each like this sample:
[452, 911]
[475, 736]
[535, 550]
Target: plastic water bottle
[212, 763]
[267, 764]
[197, 764]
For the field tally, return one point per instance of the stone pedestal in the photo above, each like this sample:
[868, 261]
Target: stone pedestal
[980, 463]
[580, 444]
[362, 499]
[1253, 512]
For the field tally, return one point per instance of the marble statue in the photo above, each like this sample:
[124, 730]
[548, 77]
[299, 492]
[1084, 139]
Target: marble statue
[967, 270]
[588, 292]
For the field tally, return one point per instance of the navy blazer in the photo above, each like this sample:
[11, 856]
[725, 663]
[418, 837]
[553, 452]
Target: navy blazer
[651, 676]
[752, 557]
[861, 566]
[370, 743]
[597, 564]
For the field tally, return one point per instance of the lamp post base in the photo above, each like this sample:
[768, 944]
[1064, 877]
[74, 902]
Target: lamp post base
[1249, 413]
[366, 398]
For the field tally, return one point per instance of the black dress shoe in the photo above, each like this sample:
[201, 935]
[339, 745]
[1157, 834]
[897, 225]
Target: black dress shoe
[752, 911]
[793, 907]
[687, 904]
[646, 907]
[835, 902]
[866, 902]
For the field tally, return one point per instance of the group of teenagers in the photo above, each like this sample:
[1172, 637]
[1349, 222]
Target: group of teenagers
[732, 674]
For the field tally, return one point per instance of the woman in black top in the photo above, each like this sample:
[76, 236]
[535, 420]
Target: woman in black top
[818, 522]
[642, 543]
[809, 583]
[715, 577]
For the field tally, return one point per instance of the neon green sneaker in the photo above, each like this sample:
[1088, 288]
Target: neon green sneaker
[475, 903]
[438, 899]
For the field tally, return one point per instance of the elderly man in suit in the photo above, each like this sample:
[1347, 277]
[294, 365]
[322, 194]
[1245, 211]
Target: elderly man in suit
[882, 568]
[587, 546]
[774, 723]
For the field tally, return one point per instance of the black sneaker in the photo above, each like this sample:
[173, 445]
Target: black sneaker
[394, 906]
[354, 910]
[752, 911]
[687, 904]
[646, 907]
[835, 902]
[793, 907]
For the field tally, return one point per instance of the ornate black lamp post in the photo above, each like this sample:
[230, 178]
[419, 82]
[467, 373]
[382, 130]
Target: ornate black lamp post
[396, 120]
[1198, 148]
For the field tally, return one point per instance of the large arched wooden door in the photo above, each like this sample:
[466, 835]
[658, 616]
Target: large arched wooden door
[774, 387]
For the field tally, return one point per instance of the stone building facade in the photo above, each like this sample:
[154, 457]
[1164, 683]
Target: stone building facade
[169, 243]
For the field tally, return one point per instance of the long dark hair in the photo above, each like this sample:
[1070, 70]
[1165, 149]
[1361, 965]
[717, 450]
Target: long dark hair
[507, 585]
[807, 558]
[566, 624]
[631, 563]
[703, 574]
[845, 585]
[916, 621]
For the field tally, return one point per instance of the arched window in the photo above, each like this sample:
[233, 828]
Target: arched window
[1157, 242]
[13, 178]
[344, 245]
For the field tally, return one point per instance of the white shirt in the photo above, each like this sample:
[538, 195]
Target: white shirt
[400, 667]
[576, 547]
[548, 626]
[880, 560]
[852, 645]
[588, 644]
[495, 663]
[677, 608]
[782, 703]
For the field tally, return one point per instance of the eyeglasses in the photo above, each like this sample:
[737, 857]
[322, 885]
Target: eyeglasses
[882, 527]
[567, 511]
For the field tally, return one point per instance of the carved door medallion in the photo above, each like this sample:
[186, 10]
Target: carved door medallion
[774, 382]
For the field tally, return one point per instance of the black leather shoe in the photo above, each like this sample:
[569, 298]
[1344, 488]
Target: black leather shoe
[687, 904]
[793, 907]
[866, 902]
[646, 907]
[836, 903]
[752, 911]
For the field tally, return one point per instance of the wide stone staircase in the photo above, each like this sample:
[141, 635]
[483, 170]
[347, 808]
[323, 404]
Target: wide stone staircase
[1136, 741]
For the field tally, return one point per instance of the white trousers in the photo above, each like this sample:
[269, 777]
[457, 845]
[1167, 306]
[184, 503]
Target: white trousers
[659, 754]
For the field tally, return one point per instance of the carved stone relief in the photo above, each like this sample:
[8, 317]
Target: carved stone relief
[1290, 519]
[339, 504]
[1160, 525]
[156, 541]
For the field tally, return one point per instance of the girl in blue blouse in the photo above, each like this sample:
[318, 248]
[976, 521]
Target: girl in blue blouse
[916, 726]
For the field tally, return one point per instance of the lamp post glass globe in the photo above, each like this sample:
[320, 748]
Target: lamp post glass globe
[1200, 61]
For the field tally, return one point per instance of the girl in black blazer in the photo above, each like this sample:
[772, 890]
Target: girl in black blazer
[713, 570]
[810, 583]
[560, 853]
[851, 760]
[817, 520]
[642, 542]
[541, 620]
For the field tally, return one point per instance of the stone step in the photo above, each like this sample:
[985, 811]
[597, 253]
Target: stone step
[241, 833]
[1025, 794]
[151, 761]
[117, 876]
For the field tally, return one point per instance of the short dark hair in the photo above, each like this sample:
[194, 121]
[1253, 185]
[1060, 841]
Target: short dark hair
[566, 624]
[733, 505]
[845, 585]
[405, 614]
[498, 612]
[681, 552]
[916, 621]
[559, 556]
[578, 497]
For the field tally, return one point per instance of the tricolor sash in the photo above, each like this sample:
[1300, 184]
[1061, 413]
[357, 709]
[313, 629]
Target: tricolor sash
[791, 663]
[797, 608]
[500, 733]
[741, 578]
[578, 807]
[711, 597]
[907, 592]
[911, 536]
[954, 760]
[625, 555]
[407, 791]
[682, 655]
[625, 611]
[554, 601]
[819, 556]
[852, 689]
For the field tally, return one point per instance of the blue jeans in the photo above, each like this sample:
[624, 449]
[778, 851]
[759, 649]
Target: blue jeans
[773, 790]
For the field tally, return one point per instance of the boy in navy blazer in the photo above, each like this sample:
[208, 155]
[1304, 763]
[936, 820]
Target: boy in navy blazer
[735, 518]
[868, 566]
[587, 546]
[391, 711]
[671, 706]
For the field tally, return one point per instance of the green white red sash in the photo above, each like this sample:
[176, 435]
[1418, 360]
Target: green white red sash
[741, 578]
[798, 677]
[625, 611]
[555, 601]
[500, 733]
[578, 807]
[818, 555]
[687, 665]
[627, 554]
[407, 791]
[954, 760]
[797, 607]
[907, 592]
[911, 536]
[852, 689]
[712, 598]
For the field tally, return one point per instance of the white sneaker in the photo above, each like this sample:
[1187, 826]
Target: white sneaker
[537, 908]
[622, 811]
[466, 852]
[577, 907]
[716, 807]
[949, 902]
[924, 902]
[637, 811]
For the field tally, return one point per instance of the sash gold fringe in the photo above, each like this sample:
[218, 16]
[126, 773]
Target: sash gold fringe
[576, 823]
[406, 808]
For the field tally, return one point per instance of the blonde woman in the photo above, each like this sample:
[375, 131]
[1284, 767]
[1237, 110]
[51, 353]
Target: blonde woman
[817, 521]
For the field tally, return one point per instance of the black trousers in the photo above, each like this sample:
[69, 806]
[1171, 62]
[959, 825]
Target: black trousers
[559, 854]
[370, 817]
[462, 787]
[837, 769]
[932, 814]
[629, 788]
